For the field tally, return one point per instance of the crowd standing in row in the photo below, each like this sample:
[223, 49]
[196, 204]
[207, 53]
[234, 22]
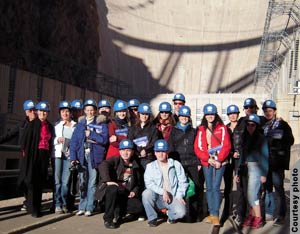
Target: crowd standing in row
[136, 165]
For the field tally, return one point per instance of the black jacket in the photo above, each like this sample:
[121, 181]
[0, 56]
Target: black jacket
[181, 146]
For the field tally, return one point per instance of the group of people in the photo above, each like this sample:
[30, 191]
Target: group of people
[138, 166]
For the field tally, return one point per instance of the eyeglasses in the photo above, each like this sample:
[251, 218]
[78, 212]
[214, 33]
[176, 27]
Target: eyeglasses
[164, 112]
[252, 125]
[249, 107]
[178, 103]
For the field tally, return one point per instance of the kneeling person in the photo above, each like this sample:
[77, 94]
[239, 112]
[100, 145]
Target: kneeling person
[123, 180]
[166, 185]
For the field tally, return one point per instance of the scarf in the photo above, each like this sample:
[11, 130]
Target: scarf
[182, 128]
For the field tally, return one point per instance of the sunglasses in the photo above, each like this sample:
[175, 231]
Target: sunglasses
[249, 107]
[164, 112]
[252, 125]
[178, 103]
[134, 108]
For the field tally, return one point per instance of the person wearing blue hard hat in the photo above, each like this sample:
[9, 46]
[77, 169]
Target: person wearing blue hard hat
[122, 181]
[36, 146]
[64, 129]
[181, 143]
[104, 107]
[280, 139]
[178, 101]
[164, 120]
[76, 109]
[87, 149]
[255, 153]
[212, 146]
[118, 128]
[166, 186]
[133, 105]
[144, 133]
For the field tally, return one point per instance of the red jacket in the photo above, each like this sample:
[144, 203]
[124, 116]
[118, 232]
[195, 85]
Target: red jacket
[113, 149]
[201, 145]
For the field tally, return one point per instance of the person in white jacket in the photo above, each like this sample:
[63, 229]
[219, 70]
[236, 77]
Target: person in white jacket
[64, 129]
[166, 186]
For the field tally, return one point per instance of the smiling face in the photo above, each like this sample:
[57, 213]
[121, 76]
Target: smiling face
[144, 117]
[269, 113]
[183, 119]
[177, 104]
[161, 156]
[121, 114]
[210, 118]
[126, 154]
[65, 114]
[89, 111]
[164, 115]
[233, 117]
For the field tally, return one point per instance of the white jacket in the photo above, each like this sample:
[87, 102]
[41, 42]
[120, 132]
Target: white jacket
[58, 133]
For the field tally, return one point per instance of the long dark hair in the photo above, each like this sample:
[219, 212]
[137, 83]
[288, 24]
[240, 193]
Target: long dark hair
[170, 119]
[138, 120]
[214, 123]
[254, 141]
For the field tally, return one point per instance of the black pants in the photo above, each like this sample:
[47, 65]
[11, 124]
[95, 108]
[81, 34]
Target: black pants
[117, 203]
[241, 198]
[35, 188]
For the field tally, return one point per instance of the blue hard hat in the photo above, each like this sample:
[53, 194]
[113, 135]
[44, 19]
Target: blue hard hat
[76, 104]
[165, 106]
[184, 111]
[269, 104]
[253, 118]
[210, 109]
[232, 109]
[120, 105]
[28, 105]
[161, 145]
[179, 96]
[64, 105]
[104, 103]
[133, 102]
[250, 102]
[43, 106]
[144, 108]
[90, 102]
[126, 144]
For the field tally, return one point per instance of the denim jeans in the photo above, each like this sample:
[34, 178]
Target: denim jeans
[276, 179]
[213, 178]
[152, 200]
[254, 184]
[62, 178]
[87, 186]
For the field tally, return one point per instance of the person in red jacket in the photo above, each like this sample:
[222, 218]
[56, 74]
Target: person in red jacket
[117, 128]
[212, 146]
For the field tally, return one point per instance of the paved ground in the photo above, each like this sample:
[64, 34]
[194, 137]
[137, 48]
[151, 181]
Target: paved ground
[12, 220]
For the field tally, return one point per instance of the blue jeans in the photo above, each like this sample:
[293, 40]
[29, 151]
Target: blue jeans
[152, 200]
[213, 178]
[62, 178]
[87, 186]
[254, 184]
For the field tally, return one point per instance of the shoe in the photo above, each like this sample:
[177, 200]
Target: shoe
[171, 221]
[269, 217]
[88, 213]
[65, 209]
[36, 215]
[258, 222]
[80, 212]
[215, 220]
[248, 222]
[236, 221]
[110, 225]
[152, 223]
[24, 208]
[278, 221]
[58, 210]
[208, 219]
[141, 218]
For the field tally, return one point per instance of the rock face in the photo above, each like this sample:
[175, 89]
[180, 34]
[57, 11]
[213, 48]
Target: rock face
[58, 39]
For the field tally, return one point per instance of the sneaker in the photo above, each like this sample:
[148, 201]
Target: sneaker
[248, 222]
[110, 225]
[269, 217]
[171, 221]
[215, 220]
[88, 213]
[65, 209]
[278, 221]
[208, 219]
[24, 207]
[152, 223]
[141, 218]
[80, 212]
[58, 210]
[258, 222]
